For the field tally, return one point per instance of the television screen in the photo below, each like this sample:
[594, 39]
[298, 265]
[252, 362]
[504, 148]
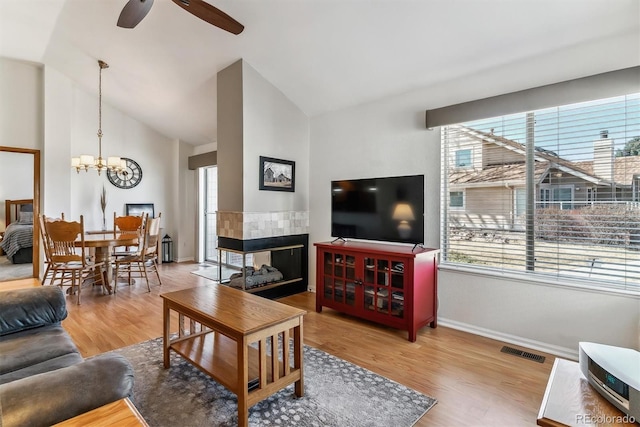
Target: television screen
[386, 209]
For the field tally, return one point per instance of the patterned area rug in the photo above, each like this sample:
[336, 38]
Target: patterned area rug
[337, 393]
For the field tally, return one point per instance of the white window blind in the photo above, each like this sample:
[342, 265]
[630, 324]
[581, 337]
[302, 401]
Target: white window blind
[551, 192]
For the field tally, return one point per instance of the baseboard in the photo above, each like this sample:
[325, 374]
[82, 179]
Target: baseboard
[185, 259]
[563, 352]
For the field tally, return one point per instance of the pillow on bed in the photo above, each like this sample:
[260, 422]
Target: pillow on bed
[25, 218]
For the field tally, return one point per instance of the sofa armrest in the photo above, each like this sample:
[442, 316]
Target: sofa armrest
[52, 397]
[29, 308]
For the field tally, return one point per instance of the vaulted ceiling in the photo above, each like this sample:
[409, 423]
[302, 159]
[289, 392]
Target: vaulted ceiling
[324, 55]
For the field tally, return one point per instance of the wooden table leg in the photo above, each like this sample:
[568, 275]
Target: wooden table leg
[298, 358]
[243, 382]
[166, 323]
[103, 254]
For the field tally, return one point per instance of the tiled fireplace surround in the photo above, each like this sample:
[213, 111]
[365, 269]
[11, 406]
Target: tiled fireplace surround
[258, 225]
[255, 231]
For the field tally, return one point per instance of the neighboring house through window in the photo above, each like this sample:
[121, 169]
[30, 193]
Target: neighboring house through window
[559, 197]
[587, 190]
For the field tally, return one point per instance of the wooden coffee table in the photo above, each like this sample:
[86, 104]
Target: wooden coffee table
[216, 327]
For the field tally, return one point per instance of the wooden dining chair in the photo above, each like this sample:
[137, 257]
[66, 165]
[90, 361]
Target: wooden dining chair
[47, 246]
[126, 224]
[146, 258]
[68, 254]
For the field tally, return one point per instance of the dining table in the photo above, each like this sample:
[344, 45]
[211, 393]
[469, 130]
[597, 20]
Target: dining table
[103, 242]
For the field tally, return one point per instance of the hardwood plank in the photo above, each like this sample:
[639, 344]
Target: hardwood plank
[474, 382]
[121, 413]
[19, 284]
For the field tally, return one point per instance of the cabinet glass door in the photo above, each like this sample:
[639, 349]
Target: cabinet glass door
[339, 278]
[384, 286]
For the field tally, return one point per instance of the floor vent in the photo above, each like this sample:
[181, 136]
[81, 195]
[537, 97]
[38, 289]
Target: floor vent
[525, 354]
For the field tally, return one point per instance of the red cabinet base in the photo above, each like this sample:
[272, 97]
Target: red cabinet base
[389, 284]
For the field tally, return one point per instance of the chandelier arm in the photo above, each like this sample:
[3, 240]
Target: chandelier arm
[100, 113]
[100, 164]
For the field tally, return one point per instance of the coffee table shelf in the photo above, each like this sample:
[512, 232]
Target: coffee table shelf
[215, 355]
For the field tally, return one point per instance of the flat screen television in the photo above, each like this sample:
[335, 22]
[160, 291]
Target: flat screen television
[389, 209]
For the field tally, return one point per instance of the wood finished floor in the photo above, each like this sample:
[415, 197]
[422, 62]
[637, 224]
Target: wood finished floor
[475, 384]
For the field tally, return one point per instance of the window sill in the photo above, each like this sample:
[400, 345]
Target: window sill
[539, 280]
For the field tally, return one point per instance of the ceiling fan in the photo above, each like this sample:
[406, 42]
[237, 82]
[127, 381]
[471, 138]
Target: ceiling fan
[135, 10]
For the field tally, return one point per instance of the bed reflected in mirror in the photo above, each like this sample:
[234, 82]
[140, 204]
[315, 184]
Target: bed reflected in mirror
[19, 207]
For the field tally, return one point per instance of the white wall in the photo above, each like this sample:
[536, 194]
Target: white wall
[185, 210]
[537, 315]
[205, 148]
[61, 120]
[56, 153]
[273, 127]
[125, 137]
[20, 126]
[388, 137]
[20, 104]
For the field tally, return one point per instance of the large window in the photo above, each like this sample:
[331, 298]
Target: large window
[553, 193]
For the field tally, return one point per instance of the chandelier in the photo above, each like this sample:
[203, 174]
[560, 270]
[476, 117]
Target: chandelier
[87, 161]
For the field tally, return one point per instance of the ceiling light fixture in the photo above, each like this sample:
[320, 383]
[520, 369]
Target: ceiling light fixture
[87, 161]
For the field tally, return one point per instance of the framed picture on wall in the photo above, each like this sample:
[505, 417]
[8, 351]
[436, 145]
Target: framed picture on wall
[137, 209]
[277, 174]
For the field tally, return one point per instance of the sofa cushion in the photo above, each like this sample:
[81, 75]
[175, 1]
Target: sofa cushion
[48, 398]
[32, 347]
[45, 366]
[23, 309]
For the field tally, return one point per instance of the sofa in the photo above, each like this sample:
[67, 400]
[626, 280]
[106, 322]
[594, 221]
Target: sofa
[43, 377]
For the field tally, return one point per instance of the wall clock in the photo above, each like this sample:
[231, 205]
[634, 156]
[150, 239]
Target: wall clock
[127, 178]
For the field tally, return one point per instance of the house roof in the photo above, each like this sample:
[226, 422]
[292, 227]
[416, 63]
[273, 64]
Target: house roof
[515, 173]
[624, 168]
[322, 55]
[510, 174]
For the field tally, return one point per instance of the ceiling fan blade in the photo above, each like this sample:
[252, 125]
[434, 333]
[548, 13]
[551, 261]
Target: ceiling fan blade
[210, 14]
[133, 12]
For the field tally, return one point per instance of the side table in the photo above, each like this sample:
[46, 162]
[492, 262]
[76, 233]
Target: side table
[569, 400]
[121, 413]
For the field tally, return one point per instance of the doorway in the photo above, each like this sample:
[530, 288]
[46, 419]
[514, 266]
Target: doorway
[210, 237]
[20, 202]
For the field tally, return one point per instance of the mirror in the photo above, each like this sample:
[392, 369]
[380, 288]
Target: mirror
[19, 182]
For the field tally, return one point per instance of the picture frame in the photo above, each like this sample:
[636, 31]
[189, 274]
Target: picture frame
[277, 174]
[137, 209]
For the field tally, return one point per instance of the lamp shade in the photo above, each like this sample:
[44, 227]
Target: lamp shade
[403, 212]
[86, 160]
[113, 162]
